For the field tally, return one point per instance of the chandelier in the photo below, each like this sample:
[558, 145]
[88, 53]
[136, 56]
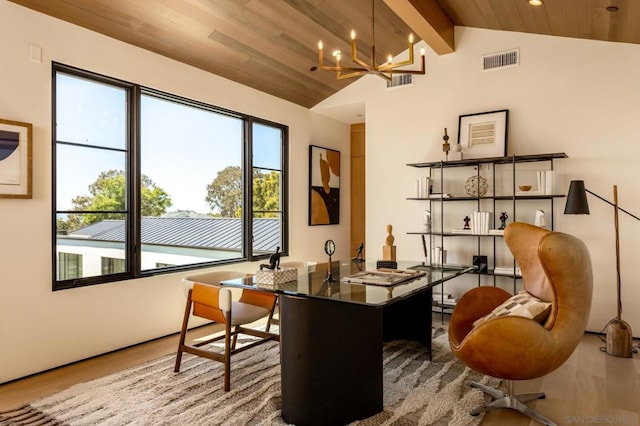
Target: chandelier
[384, 70]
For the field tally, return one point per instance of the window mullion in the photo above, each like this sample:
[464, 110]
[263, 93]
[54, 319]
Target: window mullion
[134, 227]
[247, 183]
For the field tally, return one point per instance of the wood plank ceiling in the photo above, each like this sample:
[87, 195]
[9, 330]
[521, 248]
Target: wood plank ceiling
[271, 45]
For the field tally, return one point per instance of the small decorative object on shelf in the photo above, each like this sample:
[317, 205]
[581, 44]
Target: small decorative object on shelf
[467, 219]
[456, 152]
[389, 250]
[426, 221]
[481, 262]
[438, 256]
[539, 218]
[476, 186]
[329, 249]
[445, 146]
[503, 220]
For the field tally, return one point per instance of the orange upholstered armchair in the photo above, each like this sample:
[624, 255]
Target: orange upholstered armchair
[557, 276]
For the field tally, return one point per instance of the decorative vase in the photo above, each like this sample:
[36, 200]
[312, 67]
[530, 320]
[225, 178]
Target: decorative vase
[426, 221]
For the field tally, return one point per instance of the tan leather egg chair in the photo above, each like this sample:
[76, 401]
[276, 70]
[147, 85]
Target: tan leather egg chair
[556, 268]
[215, 304]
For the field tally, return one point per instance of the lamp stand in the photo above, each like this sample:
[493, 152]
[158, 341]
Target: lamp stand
[619, 337]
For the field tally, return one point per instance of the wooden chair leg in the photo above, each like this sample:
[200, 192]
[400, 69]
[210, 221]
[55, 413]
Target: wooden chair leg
[227, 356]
[273, 309]
[183, 333]
[235, 338]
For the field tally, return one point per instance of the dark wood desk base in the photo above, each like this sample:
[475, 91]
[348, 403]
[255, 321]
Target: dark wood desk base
[331, 354]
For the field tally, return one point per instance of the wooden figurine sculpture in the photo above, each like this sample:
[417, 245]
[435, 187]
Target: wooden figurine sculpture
[445, 146]
[389, 250]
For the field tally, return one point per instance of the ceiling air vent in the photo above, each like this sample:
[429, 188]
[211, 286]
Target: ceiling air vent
[494, 61]
[398, 80]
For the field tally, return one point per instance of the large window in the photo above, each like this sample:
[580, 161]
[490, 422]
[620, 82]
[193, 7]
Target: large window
[147, 182]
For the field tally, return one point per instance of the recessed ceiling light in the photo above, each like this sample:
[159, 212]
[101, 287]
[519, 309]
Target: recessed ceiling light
[535, 2]
[612, 8]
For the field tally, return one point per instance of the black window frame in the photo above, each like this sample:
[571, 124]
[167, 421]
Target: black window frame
[133, 173]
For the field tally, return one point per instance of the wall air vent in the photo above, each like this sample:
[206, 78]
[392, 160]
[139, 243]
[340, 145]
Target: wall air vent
[398, 80]
[494, 61]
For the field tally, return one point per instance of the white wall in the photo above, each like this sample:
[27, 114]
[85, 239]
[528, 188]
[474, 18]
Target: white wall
[40, 329]
[568, 95]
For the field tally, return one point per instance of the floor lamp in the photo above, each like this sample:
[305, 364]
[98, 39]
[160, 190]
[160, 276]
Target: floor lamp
[619, 338]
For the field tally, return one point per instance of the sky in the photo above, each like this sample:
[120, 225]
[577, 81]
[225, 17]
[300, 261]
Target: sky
[182, 148]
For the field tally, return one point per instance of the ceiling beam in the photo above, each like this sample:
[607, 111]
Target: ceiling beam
[429, 22]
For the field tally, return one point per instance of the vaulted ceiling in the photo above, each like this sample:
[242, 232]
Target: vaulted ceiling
[271, 45]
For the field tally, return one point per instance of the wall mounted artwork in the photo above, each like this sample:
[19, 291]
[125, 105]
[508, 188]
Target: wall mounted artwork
[15, 159]
[483, 135]
[324, 186]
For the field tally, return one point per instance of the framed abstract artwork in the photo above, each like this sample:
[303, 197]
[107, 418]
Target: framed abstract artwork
[15, 159]
[324, 186]
[483, 135]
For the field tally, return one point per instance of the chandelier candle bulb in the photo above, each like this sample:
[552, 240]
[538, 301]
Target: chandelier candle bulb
[353, 34]
[411, 38]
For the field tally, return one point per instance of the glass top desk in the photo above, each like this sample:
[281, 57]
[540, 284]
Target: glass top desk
[331, 337]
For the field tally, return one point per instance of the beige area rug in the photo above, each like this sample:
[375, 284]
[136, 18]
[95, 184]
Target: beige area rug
[416, 392]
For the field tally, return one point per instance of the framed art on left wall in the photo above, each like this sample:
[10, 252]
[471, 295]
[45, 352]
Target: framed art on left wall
[324, 186]
[15, 159]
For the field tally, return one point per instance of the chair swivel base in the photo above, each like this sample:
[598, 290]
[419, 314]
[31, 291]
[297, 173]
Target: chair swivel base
[516, 402]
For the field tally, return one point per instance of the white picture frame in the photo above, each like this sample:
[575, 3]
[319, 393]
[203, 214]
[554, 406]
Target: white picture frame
[483, 134]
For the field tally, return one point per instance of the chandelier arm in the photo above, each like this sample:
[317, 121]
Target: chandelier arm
[390, 66]
[384, 76]
[354, 56]
[341, 76]
[341, 68]
[392, 69]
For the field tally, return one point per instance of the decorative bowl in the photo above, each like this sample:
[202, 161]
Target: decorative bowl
[524, 188]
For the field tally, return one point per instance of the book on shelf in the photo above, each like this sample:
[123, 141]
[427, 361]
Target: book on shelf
[423, 187]
[507, 270]
[545, 182]
[444, 299]
[480, 223]
[461, 231]
[382, 276]
[524, 193]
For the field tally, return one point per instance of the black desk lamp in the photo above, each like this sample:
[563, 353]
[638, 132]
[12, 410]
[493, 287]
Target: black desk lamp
[619, 338]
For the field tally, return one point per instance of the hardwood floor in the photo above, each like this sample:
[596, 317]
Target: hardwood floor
[590, 388]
